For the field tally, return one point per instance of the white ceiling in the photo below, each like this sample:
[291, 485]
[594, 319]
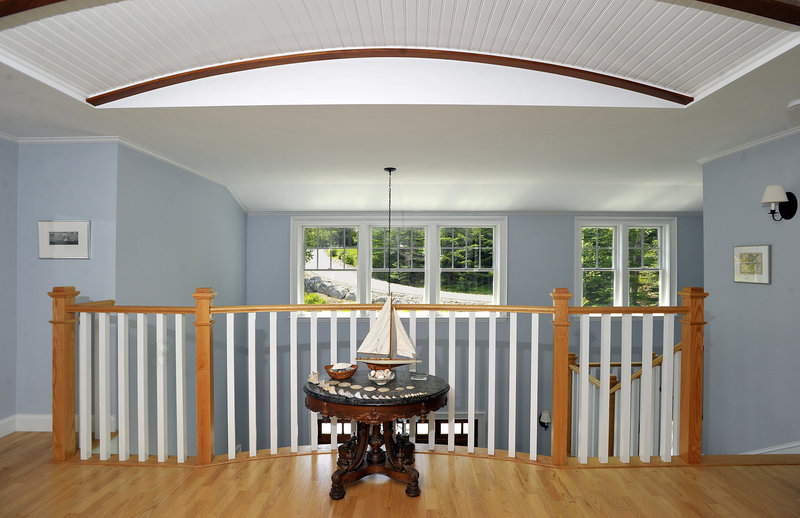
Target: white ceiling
[323, 154]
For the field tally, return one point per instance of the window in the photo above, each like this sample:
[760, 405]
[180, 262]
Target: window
[331, 263]
[449, 261]
[625, 262]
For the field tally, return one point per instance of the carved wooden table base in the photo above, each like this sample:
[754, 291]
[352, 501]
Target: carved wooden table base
[375, 447]
[395, 460]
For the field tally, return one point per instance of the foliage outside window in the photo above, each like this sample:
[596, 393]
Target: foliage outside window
[467, 264]
[624, 264]
[429, 261]
[331, 263]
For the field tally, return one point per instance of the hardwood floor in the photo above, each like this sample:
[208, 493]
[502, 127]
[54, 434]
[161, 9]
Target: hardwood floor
[452, 486]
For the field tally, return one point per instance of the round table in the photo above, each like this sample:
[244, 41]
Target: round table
[375, 411]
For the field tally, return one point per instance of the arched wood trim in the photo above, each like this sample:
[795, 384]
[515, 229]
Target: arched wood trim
[9, 7]
[228, 68]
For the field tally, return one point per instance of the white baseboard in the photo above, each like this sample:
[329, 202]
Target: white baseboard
[34, 423]
[38, 423]
[8, 425]
[788, 448]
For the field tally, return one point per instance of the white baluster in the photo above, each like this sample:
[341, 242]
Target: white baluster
[142, 382]
[512, 385]
[85, 384]
[161, 387]
[534, 411]
[251, 382]
[667, 372]
[676, 403]
[625, 392]
[312, 416]
[231, 385]
[353, 339]
[273, 382]
[490, 411]
[412, 325]
[646, 394]
[471, 385]
[123, 389]
[605, 387]
[432, 372]
[293, 380]
[334, 361]
[451, 374]
[180, 388]
[583, 387]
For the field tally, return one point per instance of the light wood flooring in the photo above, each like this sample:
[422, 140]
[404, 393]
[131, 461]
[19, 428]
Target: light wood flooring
[452, 486]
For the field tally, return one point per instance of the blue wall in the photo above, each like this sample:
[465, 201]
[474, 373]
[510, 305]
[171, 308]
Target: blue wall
[8, 277]
[176, 232]
[752, 347]
[59, 182]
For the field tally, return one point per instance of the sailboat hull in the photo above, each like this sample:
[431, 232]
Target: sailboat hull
[386, 363]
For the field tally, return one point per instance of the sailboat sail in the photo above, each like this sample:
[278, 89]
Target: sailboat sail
[388, 338]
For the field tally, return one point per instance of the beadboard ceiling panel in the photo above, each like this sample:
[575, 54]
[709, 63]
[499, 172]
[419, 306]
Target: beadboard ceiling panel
[90, 47]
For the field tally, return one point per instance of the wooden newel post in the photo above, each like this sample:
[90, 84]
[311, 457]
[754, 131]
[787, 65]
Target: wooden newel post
[63, 372]
[561, 376]
[204, 354]
[692, 374]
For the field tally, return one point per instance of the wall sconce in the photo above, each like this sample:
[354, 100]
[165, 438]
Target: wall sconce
[786, 202]
[545, 419]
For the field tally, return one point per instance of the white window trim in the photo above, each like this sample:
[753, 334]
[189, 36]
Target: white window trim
[432, 224]
[669, 281]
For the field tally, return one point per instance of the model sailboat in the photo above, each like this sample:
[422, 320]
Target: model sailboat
[387, 345]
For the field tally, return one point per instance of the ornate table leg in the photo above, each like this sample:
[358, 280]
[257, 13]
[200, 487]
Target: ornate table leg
[401, 456]
[351, 455]
[376, 454]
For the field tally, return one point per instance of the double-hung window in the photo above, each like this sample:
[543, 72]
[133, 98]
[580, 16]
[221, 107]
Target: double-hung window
[625, 262]
[453, 260]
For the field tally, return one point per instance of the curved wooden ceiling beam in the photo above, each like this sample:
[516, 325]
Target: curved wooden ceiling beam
[9, 7]
[228, 68]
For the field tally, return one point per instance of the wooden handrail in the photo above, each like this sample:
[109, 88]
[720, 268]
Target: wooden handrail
[374, 307]
[89, 307]
[636, 375]
[618, 310]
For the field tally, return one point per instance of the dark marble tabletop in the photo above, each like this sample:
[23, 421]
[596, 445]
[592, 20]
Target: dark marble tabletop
[398, 393]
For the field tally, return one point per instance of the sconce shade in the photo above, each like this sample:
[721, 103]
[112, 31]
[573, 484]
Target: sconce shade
[774, 194]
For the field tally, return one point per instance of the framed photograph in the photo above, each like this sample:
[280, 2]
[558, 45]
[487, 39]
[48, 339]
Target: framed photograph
[63, 240]
[751, 264]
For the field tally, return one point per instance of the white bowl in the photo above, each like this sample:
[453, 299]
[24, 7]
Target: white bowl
[381, 381]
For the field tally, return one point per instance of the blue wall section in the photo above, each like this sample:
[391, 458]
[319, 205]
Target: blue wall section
[752, 347]
[9, 152]
[176, 232]
[59, 182]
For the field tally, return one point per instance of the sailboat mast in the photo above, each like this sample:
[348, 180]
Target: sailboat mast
[392, 344]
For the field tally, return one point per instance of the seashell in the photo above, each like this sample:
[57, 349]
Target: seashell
[332, 390]
[348, 393]
[355, 386]
[333, 382]
[344, 384]
[357, 395]
[369, 389]
[409, 387]
[383, 389]
[314, 377]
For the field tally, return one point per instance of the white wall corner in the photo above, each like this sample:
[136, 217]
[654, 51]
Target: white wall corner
[789, 448]
[8, 425]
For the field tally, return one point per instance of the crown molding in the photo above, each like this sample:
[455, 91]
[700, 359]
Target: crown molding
[749, 145]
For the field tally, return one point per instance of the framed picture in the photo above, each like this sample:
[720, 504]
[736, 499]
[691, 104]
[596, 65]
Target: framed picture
[751, 264]
[63, 240]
